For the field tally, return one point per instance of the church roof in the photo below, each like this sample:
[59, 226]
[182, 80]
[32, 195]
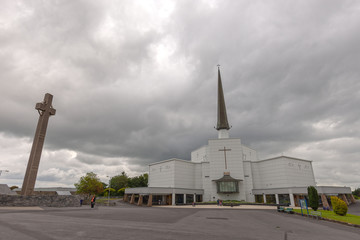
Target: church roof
[222, 122]
[227, 178]
[282, 157]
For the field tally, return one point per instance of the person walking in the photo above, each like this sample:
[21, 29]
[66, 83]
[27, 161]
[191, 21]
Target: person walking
[93, 199]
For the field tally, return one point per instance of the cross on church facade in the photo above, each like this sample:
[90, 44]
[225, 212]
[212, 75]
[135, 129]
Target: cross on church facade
[225, 150]
[45, 110]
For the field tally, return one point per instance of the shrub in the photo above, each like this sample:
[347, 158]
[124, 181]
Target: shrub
[339, 206]
[313, 198]
[334, 201]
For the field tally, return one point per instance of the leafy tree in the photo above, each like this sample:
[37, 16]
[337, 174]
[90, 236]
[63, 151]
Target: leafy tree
[106, 192]
[89, 184]
[313, 197]
[139, 181]
[119, 181]
[122, 181]
[121, 191]
[13, 187]
[356, 192]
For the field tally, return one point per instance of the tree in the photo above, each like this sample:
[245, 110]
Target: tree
[106, 192]
[13, 187]
[356, 192]
[122, 181]
[121, 191]
[139, 181]
[119, 181]
[89, 184]
[313, 197]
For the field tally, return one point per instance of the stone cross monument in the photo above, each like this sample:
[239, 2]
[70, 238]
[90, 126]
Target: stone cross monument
[45, 110]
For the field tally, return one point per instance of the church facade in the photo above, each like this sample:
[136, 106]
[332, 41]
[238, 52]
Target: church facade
[228, 170]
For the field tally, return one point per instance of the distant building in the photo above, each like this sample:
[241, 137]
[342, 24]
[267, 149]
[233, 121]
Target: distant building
[228, 170]
[5, 190]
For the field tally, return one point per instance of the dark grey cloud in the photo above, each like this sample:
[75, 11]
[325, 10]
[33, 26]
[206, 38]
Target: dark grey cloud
[135, 82]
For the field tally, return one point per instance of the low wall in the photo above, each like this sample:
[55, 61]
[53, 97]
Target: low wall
[41, 201]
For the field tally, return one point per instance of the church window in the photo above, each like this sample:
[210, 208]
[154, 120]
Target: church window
[227, 187]
[227, 184]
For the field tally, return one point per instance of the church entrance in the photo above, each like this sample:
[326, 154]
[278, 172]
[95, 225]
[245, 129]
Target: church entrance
[189, 198]
[179, 198]
[169, 199]
[259, 199]
[270, 198]
[284, 199]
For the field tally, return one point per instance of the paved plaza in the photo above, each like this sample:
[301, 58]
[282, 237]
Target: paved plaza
[131, 222]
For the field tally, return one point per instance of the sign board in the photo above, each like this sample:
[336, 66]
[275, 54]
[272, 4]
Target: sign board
[303, 204]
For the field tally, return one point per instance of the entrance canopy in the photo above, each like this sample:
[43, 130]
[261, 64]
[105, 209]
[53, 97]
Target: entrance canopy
[227, 184]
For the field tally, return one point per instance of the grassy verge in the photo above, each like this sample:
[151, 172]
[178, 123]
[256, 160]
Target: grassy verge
[349, 218]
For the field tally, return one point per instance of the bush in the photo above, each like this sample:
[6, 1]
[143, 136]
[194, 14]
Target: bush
[334, 201]
[313, 197]
[339, 206]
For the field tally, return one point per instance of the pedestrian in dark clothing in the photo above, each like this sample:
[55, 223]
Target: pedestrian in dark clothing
[93, 199]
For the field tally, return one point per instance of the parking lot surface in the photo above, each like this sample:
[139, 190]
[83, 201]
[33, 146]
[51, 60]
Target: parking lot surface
[131, 222]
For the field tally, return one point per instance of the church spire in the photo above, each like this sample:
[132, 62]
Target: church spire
[222, 122]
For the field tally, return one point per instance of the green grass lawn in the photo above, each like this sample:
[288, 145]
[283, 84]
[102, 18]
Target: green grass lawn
[349, 218]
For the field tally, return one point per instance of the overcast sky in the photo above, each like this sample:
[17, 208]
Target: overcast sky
[135, 82]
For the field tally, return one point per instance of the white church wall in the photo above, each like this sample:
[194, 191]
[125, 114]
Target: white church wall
[256, 175]
[200, 154]
[234, 166]
[299, 172]
[233, 158]
[198, 175]
[249, 154]
[161, 174]
[206, 181]
[248, 182]
[184, 174]
[282, 172]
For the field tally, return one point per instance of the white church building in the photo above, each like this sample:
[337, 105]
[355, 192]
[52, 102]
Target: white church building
[228, 170]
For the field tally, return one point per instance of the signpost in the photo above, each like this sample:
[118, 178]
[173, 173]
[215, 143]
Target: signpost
[303, 204]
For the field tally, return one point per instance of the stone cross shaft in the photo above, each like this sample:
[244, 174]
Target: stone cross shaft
[224, 150]
[45, 110]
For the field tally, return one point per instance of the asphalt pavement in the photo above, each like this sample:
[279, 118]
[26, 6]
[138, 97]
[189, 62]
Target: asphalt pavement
[354, 208]
[131, 222]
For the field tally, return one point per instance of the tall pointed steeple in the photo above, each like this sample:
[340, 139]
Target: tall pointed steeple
[222, 122]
